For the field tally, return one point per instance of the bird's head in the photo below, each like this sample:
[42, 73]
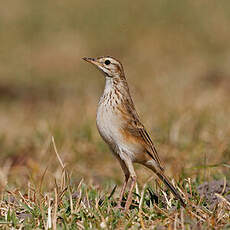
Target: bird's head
[108, 65]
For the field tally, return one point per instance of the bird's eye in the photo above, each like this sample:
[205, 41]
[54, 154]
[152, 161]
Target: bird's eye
[107, 62]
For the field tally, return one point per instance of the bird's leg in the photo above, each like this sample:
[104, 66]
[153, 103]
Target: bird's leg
[129, 199]
[133, 177]
[123, 191]
[127, 175]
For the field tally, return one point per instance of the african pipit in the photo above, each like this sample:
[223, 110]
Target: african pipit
[119, 125]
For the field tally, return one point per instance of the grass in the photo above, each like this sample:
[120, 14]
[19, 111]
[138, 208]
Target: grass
[176, 57]
[83, 206]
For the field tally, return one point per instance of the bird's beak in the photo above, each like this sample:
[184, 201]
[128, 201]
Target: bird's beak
[93, 61]
[90, 60]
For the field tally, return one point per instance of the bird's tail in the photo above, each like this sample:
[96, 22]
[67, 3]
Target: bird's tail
[170, 186]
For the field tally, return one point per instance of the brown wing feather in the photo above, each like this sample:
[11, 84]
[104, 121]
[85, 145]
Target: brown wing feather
[136, 128]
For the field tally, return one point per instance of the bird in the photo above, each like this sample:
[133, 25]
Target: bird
[120, 127]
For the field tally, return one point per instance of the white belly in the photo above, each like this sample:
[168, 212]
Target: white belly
[108, 124]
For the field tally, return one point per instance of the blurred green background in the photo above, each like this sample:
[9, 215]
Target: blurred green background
[176, 57]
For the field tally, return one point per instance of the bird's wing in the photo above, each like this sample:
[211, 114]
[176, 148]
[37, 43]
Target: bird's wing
[136, 129]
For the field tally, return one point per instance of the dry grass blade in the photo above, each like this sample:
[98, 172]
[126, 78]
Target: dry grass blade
[166, 214]
[58, 156]
[4, 171]
[54, 217]
[175, 221]
[223, 199]
[71, 200]
[224, 186]
[142, 196]
[42, 179]
[168, 202]
[140, 206]
[65, 179]
[182, 218]
[49, 218]
[196, 215]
